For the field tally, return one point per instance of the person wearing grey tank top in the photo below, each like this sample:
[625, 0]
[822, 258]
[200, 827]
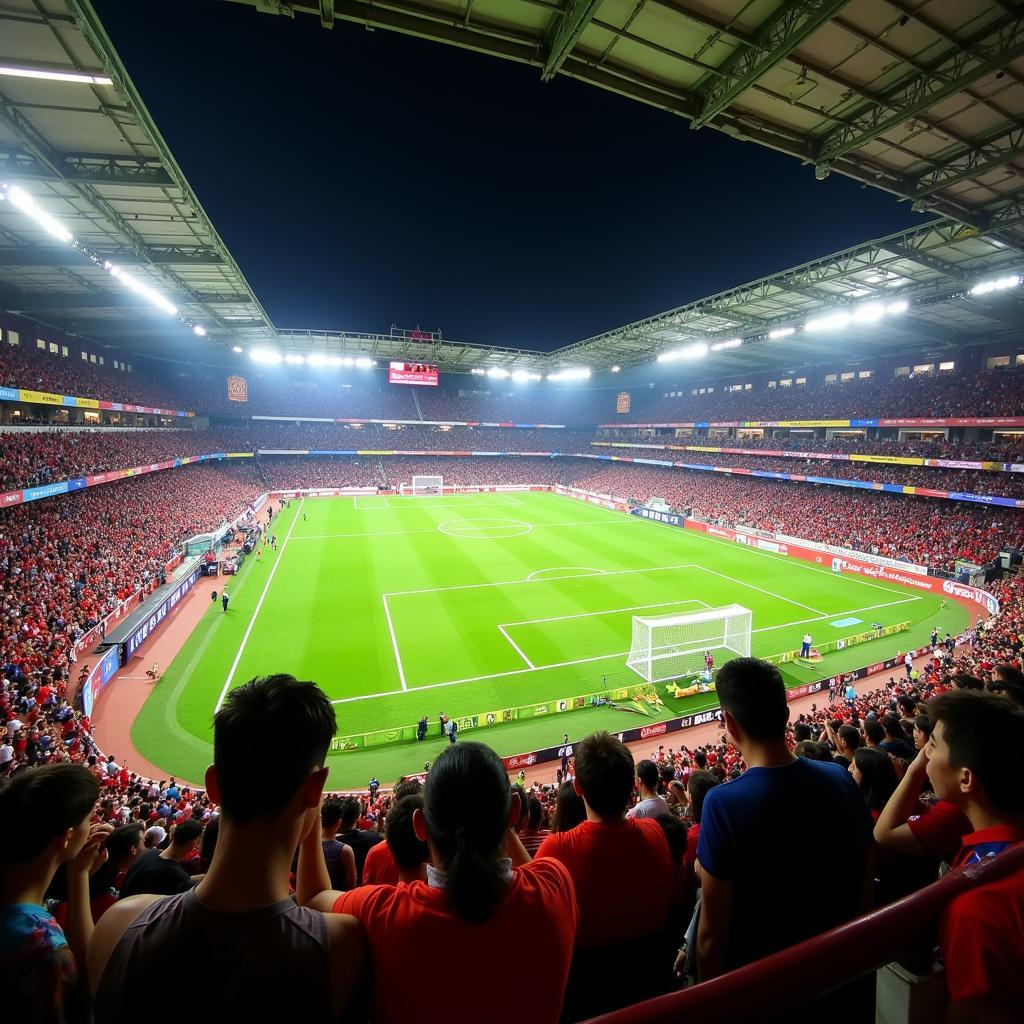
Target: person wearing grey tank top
[238, 945]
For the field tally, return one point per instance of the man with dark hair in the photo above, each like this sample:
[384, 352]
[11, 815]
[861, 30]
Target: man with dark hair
[358, 839]
[379, 867]
[341, 861]
[747, 900]
[617, 919]
[410, 853]
[160, 871]
[874, 734]
[846, 739]
[263, 957]
[895, 743]
[1008, 681]
[650, 805]
[976, 761]
[608, 847]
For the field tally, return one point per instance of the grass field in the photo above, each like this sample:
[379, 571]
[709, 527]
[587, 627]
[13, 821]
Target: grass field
[404, 606]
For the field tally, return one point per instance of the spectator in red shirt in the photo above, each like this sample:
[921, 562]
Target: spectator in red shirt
[473, 907]
[976, 761]
[604, 854]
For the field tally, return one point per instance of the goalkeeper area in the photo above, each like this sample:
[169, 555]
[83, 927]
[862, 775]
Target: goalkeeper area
[404, 606]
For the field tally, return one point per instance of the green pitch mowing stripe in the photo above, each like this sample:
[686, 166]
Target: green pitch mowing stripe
[400, 606]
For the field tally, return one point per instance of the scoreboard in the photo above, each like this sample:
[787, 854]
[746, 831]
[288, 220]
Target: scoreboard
[413, 373]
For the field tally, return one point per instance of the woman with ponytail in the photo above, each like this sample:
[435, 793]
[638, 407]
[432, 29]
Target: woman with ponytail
[474, 907]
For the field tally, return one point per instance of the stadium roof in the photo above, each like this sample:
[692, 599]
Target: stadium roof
[926, 105]
[924, 100]
[91, 156]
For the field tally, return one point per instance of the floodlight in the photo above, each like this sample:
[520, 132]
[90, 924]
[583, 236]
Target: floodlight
[694, 351]
[781, 332]
[731, 343]
[498, 373]
[19, 198]
[294, 359]
[236, 348]
[77, 77]
[997, 285]
[894, 308]
[265, 355]
[199, 330]
[615, 369]
[364, 362]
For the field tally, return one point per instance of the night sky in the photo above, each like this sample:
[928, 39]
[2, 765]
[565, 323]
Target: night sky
[363, 179]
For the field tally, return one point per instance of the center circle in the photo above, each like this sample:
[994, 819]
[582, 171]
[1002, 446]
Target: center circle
[484, 529]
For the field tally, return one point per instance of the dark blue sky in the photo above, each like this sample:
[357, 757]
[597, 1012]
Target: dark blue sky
[366, 178]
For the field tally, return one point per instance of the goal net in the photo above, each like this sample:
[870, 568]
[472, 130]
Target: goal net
[425, 485]
[670, 646]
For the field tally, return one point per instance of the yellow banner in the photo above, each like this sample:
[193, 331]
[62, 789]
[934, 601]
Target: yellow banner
[889, 460]
[239, 455]
[39, 397]
[87, 403]
[803, 423]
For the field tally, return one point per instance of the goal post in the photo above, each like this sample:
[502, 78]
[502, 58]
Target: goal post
[669, 646]
[425, 485]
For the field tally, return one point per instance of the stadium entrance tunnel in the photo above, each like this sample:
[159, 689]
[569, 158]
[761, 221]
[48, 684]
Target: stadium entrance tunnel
[485, 529]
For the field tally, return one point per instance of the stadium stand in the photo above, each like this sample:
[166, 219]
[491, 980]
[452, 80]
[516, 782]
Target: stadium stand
[34, 369]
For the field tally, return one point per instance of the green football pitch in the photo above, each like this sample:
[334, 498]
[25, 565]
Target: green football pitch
[407, 606]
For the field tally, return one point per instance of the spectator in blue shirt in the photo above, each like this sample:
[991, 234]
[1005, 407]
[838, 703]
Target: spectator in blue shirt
[775, 839]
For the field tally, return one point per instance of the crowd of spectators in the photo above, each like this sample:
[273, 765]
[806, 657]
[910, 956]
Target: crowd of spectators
[986, 393]
[26, 367]
[29, 458]
[68, 561]
[662, 864]
[921, 530]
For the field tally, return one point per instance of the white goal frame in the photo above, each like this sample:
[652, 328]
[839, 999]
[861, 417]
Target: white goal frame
[670, 646]
[425, 486]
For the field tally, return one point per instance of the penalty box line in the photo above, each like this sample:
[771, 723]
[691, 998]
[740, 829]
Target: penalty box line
[603, 657]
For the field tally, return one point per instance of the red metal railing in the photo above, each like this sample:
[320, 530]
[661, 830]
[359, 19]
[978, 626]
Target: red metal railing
[823, 963]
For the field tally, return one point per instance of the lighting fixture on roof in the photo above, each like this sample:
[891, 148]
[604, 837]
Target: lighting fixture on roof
[21, 200]
[265, 355]
[294, 359]
[615, 369]
[143, 290]
[478, 371]
[364, 362]
[694, 351]
[998, 285]
[731, 343]
[236, 348]
[867, 313]
[572, 373]
[77, 77]
[317, 359]
[524, 375]
[498, 373]
[781, 332]
[26, 203]
[895, 308]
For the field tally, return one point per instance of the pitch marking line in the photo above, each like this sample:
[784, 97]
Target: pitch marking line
[394, 642]
[376, 508]
[256, 610]
[434, 529]
[603, 657]
[607, 611]
[769, 593]
[549, 579]
[580, 570]
[516, 647]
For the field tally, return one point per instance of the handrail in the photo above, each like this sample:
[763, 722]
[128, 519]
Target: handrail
[822, 963]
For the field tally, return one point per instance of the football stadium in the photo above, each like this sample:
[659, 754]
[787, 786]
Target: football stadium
[455, 507]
